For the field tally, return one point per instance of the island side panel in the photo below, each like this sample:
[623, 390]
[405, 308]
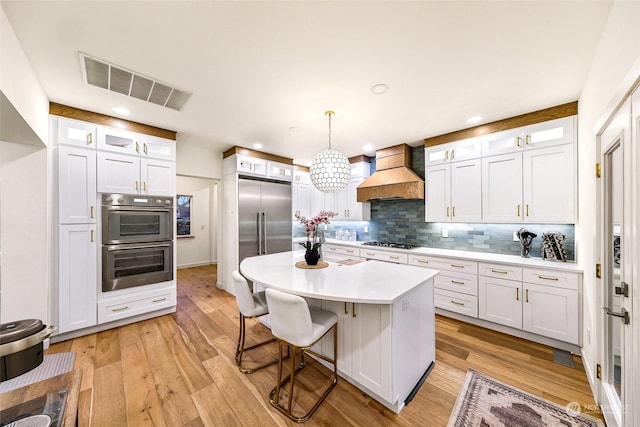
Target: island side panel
[414, 340]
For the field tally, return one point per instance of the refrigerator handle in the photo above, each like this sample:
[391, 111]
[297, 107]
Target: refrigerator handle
[264, 231]
[259, 233]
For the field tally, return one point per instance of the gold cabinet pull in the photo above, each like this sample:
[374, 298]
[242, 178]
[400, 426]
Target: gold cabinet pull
[423, 261]
[517, 294]
[393, 257]
[144, 148]
[457, 303]
[519, 141]
[527, 139]
[453, 154]
[548, 278]
[332, 249]
[447, 211]
[92, 236]
[527, 209]
[499, 271]
[345, 308]
[90, 138]
[91, 212]
[144, 185]
[369, 253]
[453, 212]
[160, 299]
[126, 307]
[446, 155]
[526, 295]
[136, 185]
[137, 147]
[350, 251]
[353, 309]
[518, 210]
[457, 282]
[457, 265]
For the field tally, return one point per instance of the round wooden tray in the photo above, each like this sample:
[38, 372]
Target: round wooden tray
[303, 264]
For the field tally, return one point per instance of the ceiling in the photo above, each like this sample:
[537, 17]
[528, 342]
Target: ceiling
[257, 69]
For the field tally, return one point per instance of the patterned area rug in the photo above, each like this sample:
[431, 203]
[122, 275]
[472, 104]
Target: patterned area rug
[52, 365]
[485, 402]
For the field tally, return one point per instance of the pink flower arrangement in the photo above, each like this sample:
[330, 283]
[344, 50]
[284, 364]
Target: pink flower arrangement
[310, 226]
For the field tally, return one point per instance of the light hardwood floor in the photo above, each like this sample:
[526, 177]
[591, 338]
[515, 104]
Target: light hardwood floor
[179, 370]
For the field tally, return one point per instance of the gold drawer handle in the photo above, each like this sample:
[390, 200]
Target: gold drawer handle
[457, 265]
[499, 271]
[548, 278]
[369, 253]
[332, 249]
[518, 210]
[89, 138]
[160, 300]
[457, 282]
[517, 294]
[144, 148]
[519, 141]
[353, 309]
[91, 212]
[394, 257]
[526, 295]
[345, 308]
[92, 237]
[423, 261]
[350, 251]
[527, 139]
[126, 307]
[457, 303]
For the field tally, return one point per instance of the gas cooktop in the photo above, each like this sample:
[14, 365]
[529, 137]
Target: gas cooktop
[390, 245]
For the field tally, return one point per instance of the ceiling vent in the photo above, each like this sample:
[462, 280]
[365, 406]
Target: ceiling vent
[97, 72]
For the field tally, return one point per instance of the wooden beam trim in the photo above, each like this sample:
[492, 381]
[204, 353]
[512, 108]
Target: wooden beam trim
[557, 112]
[104, 120]
[360, 158]
[256, 154]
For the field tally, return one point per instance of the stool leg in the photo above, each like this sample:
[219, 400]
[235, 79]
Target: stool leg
[277, 395]
[241, 336]
[292, 367]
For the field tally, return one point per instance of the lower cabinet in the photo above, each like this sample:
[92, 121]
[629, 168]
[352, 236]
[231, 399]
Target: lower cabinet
[132, 304]
[77, 276]
[499, 301]
[336, 253]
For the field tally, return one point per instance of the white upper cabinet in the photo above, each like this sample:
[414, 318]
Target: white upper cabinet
[539, 135]
[301, 194]
[502, 188]
[548, 185]
[454, 151]
[125, 142]
[124, 174]
[437, 193]
[73, 132]
[251, 166]
[280, 171]
[76, 185]
[158, 177]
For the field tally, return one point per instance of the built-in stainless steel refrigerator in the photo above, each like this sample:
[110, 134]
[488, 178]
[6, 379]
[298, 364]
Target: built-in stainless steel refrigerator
[264, 217]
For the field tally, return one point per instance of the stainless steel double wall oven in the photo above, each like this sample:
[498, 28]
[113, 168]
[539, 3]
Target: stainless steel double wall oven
[137, 240]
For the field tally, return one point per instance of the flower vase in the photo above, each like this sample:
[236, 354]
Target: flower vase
[312, 256]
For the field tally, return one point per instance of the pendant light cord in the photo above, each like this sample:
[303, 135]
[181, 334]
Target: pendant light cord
[329, 113]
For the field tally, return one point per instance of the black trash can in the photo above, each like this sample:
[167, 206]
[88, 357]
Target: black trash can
[21, 346]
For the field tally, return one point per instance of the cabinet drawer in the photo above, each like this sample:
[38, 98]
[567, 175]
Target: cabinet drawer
[558, 279]
[457, 282]
[131, 305]
[447, 264]
[342, 250]
[500, 271]
[459, 303]
[398, 258]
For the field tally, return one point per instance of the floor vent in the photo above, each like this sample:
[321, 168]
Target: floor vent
[563, 358]
[97, 72]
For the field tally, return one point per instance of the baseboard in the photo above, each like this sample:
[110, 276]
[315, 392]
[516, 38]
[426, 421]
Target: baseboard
[196, 264]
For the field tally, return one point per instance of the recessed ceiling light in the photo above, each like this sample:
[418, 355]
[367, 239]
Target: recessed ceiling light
[379, 89]
[121, 110]
[257, 145]
[294, 129]
[474, 119]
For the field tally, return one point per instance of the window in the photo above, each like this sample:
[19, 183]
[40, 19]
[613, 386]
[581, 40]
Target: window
[183, 215]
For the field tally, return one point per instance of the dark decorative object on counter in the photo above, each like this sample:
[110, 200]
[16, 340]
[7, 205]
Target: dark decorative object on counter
[312, 256]
[553, 247]
[526, 237]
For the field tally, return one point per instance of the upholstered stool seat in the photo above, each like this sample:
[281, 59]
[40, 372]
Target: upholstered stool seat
[250, 305]
[298, 326]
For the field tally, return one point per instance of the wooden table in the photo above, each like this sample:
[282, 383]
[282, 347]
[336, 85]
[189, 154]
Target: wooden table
[70, 379]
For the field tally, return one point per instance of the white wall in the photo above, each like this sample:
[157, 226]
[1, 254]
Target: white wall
[195, 160]
[24, 232]
[618, 51]
[201, 248]
[20, 86]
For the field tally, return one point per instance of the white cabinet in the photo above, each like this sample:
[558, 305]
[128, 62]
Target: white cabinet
[301, 194]
[279, 171]
[344, 202]
[125, 142]
[125, 174]
[77, 276]
[387, 256]
[77, 199]
[502, 188]
[544, 134]
[465, 149]
[73, 132]
[543, 302]
[535, 186]
[454, 192]
[251, 166]
[135, 303]
[337, 253]
[548, 185]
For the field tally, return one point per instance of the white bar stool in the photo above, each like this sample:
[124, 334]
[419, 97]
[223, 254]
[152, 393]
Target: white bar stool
[250, 305]
[299, 326]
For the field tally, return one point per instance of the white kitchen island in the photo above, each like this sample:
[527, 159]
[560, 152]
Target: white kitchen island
[386, 318]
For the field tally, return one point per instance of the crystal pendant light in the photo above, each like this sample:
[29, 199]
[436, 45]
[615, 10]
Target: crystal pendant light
[330, 170]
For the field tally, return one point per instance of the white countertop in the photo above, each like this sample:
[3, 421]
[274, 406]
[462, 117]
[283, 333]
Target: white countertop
[468, 255]
[371, 282]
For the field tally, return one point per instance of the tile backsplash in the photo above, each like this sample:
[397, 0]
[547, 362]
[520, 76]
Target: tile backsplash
[402, 221]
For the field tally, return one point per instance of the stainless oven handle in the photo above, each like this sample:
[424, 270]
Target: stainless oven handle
[137, 209]
[144, 246]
